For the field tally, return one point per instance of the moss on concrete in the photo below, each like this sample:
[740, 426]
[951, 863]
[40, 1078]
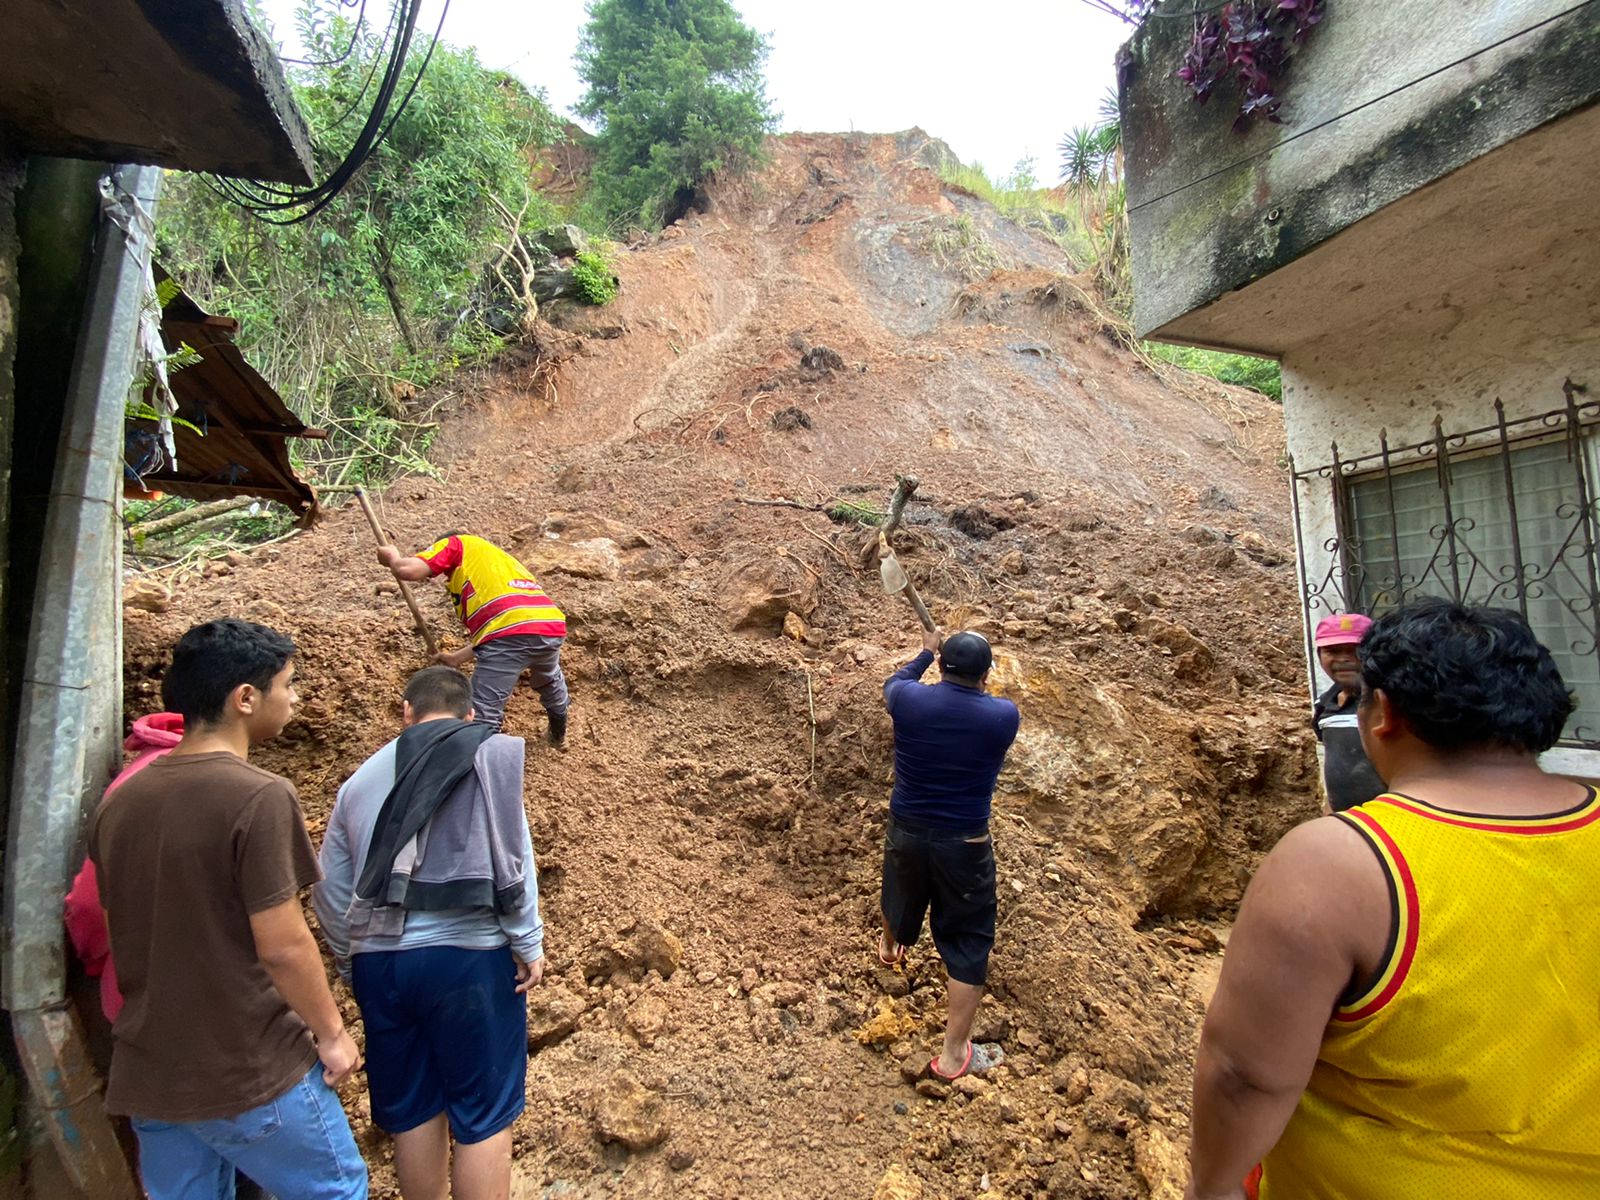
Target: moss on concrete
[1240, 230]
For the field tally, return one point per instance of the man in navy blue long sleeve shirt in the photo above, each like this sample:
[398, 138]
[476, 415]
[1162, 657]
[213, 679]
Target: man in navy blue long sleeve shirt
[950, 741]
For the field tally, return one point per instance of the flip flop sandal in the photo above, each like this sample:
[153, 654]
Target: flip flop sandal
[981, 1056]
[899, 957]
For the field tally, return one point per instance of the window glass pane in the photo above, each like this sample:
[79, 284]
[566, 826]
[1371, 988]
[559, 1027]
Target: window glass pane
[1409, 548]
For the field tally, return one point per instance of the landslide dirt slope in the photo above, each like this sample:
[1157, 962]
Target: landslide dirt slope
[709, 844]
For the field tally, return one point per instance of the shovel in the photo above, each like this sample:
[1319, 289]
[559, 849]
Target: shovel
[895, 580]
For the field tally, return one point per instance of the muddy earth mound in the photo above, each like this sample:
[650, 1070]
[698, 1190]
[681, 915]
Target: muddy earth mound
[690, 485]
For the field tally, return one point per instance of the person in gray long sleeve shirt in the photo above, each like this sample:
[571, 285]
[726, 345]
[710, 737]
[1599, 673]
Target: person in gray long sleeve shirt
[442, 999]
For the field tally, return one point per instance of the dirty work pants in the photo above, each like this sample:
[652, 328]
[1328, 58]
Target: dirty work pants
[500, 662]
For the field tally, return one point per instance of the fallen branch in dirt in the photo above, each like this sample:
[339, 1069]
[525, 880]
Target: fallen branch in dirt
[843, 558]
[189, 516]
[783, 552]
[517, 253]
[780, 502]
[904, 487]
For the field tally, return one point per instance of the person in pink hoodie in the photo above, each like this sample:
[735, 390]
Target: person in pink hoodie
[152, 737]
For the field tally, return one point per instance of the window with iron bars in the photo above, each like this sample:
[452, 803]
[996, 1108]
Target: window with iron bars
[1503, 515]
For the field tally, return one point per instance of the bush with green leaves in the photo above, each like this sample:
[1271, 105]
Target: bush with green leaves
[677, 90]
[596, 282]
[1244, 370]
[378, 295]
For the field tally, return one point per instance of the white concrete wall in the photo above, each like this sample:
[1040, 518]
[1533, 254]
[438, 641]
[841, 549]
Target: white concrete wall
[1513, 335]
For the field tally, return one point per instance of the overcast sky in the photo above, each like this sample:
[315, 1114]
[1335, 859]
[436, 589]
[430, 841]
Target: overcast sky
[999, 81]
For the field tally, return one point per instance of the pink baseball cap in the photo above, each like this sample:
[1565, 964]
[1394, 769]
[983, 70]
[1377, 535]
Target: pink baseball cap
[1342, 629]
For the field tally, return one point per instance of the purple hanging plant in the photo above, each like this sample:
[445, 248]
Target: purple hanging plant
[1250, 42]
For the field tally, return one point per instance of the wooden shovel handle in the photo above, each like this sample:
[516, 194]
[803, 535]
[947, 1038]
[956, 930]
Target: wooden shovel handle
[405, 588]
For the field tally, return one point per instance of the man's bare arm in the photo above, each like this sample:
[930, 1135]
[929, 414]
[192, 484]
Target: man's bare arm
[1316, 915]
[289, 953]
[412, 569]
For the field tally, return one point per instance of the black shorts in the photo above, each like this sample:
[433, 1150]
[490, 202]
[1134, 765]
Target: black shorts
[950, 872]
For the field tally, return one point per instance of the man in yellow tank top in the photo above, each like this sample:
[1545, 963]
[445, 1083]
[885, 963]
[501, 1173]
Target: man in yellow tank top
[1409, 1007]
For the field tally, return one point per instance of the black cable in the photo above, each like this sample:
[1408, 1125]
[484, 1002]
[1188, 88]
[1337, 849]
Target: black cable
[1122, 14]
[367, 82]
[1300, 133]
[366, 141]
[264, 200]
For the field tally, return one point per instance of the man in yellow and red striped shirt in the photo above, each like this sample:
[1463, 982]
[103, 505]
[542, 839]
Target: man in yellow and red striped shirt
[513, 625]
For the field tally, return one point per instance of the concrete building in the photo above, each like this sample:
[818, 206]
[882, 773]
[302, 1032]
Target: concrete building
[94, 99]
[1418, 244]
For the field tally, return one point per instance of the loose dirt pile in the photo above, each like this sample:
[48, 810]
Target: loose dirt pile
[714, 1022]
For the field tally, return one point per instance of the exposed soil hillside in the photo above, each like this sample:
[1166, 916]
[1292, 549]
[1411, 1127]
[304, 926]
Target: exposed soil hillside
[709, 844]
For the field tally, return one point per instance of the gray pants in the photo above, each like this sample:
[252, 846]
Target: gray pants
[500, 663]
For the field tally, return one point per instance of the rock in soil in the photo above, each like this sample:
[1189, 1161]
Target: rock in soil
[898, 1184]
[629, 1114]
[648, 1018]
[680, 1159]
[553, 1013]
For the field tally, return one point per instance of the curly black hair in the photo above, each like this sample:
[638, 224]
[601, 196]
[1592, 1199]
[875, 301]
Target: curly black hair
[1466, 676]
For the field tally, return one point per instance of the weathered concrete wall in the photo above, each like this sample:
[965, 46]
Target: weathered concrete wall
[188, 84]
[12, 172]
[13, 169]
[1510, 334]
[1212, 210]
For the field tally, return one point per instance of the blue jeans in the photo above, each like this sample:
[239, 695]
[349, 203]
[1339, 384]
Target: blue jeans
[298, 1147]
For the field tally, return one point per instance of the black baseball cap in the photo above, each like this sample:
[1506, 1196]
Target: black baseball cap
[966, 654]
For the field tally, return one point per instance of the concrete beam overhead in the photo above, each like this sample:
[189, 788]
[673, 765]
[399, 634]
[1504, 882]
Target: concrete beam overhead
[187, 84]
[1388, 98]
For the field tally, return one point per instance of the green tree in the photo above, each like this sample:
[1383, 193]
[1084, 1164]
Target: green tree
[677, 90]
[384, 288]
[1082, 158]
[420, 212]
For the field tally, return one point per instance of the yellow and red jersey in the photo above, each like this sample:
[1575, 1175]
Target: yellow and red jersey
[1469, 1064]
[494, 594]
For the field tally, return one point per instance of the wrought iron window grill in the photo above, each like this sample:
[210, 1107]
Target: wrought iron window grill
[1519, 529]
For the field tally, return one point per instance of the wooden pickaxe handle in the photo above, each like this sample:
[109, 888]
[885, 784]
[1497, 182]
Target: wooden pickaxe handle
[922, 609]
[405, 588]
[910, 589]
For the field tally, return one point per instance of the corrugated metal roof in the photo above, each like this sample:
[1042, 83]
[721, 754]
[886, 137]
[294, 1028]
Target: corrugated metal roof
[244, 450]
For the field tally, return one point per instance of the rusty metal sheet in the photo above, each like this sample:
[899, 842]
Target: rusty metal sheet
[243, 447]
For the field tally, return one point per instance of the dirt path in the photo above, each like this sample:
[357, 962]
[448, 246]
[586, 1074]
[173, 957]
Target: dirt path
[709, 845]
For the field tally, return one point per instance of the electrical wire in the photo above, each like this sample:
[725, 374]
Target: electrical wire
[1154, 13]
[366, 83]
[288, 205]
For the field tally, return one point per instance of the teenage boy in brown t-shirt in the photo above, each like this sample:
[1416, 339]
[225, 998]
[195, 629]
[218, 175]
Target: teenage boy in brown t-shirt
[229, 1040]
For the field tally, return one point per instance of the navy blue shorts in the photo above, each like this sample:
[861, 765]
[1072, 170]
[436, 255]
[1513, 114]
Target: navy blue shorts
[946, 876]
[446, 1032]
